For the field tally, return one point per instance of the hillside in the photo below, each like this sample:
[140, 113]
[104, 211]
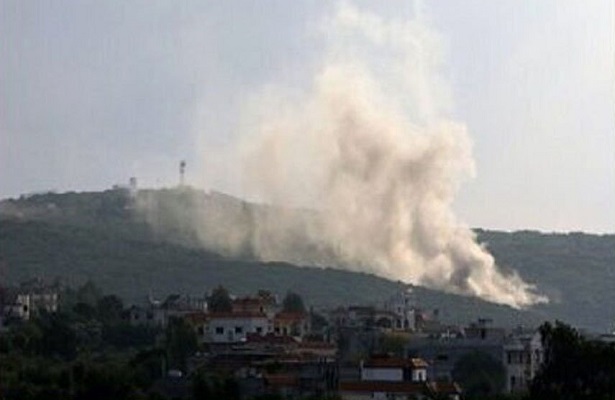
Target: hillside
[99, 236]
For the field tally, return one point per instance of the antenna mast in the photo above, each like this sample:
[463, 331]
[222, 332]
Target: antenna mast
[182, 171]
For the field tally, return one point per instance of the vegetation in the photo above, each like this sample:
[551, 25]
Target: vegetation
[220, 300]
[480, 375]
[293, 303]
[84, 236]
[575, 367]
[86, 350]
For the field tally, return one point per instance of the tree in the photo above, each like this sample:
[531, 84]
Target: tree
[89, 294]
[85, 312]
[318, 322]
[110, 309]
[181, 342]
[479, 375]
[220, 300]
[293, 302]
[58, 337]
[574, 367]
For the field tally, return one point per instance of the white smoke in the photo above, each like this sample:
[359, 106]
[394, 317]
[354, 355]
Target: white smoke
[372, 150]
[369, 152]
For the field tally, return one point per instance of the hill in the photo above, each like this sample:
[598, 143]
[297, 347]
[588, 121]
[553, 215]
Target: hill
[100, 236]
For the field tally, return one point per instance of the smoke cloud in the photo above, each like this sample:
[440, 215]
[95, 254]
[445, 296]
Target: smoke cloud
[370, 149]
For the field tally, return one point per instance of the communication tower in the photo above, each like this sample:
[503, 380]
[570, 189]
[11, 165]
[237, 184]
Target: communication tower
[182, 171]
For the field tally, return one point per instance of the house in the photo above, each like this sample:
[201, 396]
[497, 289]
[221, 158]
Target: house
[402, 306]
[353, 317]
[231, 327]
[29, 299]
[386, 377]
[523, 355]
[264, 302]
[296, 324]
[386, 368]
[158, 313]
[442, 350]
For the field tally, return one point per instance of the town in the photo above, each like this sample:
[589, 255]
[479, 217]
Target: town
[259, 346]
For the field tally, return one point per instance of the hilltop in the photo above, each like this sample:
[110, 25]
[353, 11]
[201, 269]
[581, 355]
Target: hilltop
[104, 237]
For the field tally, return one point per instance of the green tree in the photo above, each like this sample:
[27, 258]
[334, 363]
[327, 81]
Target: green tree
[220, 300]
[318, 321]
[89, 294]
[109, 309]
[293, 302]
[58, 336]
[201, 389]
[574, 367]
[480, 375]
[181, 342]
[108, 380]
[84, 311]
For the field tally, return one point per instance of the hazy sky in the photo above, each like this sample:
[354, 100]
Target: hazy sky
[92, 93]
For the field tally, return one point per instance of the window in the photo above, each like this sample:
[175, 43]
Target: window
[238, 330]
[259, 329]
[219, 330]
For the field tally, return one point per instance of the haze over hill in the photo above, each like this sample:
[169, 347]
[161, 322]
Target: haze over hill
[107, 238]
[372, 145]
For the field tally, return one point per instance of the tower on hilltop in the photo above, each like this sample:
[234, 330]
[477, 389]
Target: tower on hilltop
[182, 172]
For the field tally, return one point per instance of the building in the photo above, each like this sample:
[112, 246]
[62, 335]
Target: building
[158, 313]
[402, 305]
[29, 299]
[295, 324]
[391, 378]
[442, 351]
[233, 327]
[523, 356]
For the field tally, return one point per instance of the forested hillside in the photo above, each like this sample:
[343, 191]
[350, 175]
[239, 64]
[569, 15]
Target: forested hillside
[100, 236]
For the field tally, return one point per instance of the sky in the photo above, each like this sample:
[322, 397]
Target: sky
[93, 93]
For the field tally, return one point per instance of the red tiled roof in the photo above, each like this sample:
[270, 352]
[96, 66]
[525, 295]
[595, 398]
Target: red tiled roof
[281, 380]
[248, 301]
[290, 316]
[317, 345]
[395, 362]
[383, 386]
[445, 387]
[418, 363]
[239, 314]
[196, 317]
[270, 338]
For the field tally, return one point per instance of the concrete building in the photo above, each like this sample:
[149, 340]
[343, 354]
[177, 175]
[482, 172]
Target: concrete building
[403, 306]
[523, 355]
[386, 378]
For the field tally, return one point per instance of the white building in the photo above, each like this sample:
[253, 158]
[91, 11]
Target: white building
[403, 306]
[391, 378]
[233, 327]
[523, 356]
[394, 369]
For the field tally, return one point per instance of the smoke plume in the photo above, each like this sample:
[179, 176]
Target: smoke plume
[370, 149]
